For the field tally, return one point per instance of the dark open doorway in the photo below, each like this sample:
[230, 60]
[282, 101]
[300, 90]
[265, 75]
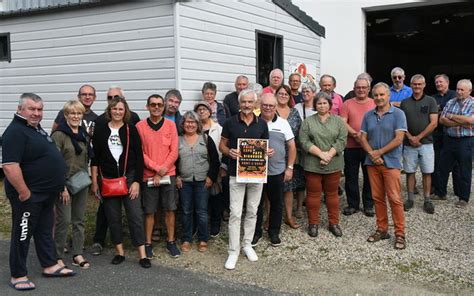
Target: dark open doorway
[428, 40]
[269, 55]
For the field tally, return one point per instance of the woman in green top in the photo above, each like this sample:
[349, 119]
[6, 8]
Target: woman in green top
[73, 142]
[323, 137]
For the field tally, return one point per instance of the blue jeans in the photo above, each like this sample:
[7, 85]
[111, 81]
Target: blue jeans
[456, 150]
[194, 198]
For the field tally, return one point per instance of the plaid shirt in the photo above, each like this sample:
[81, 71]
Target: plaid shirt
[456, 107]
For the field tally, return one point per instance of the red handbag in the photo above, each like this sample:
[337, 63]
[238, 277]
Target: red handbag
[116, 186]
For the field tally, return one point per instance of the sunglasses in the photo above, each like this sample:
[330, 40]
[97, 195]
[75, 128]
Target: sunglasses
[154, 105]
[114, 97]
[399, 77]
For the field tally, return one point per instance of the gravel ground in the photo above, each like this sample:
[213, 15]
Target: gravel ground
[439, 258]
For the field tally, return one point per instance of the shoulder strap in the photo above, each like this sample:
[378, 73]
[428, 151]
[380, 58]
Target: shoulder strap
[126, 151]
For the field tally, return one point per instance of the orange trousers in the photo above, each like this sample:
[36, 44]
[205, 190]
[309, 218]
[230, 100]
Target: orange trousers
[315, 185]
[386, 182]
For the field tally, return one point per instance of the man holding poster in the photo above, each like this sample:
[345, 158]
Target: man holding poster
[244, 125]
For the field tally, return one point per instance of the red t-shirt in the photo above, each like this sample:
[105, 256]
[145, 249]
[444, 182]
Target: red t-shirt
[354, 111]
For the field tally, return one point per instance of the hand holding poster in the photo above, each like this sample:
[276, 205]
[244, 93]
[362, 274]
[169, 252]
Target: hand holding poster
[252, 163]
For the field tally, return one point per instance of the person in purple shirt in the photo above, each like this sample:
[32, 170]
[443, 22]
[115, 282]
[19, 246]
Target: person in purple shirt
[398, 91]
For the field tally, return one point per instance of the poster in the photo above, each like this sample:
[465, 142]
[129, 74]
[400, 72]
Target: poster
[307, 71]
[252, 163]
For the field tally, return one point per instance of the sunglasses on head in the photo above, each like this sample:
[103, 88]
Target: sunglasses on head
[114, 97]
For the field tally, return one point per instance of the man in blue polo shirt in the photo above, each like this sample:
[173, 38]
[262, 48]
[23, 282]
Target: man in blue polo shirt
[458, 118]
[243, 125]
[382, 133]
[35, 174]
[398, 91]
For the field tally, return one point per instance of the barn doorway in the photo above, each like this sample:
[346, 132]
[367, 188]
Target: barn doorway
[428, 40]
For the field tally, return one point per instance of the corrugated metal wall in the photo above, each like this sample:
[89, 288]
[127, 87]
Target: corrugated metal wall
[14, 5]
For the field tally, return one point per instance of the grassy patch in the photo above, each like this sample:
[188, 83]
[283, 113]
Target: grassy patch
[412, 267]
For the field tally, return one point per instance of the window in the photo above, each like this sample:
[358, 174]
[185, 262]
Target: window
[269, 55]
[5, 47]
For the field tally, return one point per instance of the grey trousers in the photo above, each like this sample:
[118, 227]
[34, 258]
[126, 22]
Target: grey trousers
[70, 214]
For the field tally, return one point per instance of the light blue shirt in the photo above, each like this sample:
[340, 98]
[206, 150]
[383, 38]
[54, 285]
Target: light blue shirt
[398, 96]
[381, 131]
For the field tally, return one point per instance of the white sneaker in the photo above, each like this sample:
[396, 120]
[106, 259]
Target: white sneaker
[231, 261]
[250, 253]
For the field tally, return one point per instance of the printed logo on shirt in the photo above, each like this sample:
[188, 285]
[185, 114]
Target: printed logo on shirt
[24, 226]
[115, 140]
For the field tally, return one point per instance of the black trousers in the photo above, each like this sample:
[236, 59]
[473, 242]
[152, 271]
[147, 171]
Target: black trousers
[274, 191]
[101, 225]
[353, 159]
[32, 218]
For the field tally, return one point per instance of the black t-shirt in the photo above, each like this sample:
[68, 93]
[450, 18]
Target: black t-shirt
[417, 113]
[231, 102]
[441, 101]
[235, 128]
[41, 163]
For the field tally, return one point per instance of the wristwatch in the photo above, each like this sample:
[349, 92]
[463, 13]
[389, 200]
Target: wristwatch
[290, 167]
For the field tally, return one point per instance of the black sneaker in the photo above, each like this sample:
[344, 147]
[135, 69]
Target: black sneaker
[145, 263]
[369, 212]
[275, 240]
[407, 205]
[255, 240]
[313, 230]
[173, 249]
[437, 197]
[149, 251]
[118, 259]
[349, 211]
[428, 207]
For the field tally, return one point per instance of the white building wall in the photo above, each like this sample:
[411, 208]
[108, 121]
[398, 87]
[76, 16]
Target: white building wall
[217, 42]
[130, 45]
[343, 49]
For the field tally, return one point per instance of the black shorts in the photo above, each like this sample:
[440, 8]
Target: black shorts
[163, 197]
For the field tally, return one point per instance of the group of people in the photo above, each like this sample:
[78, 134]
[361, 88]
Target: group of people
[188, 161]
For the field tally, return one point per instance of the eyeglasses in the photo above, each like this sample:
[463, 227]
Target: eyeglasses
[291, 80]
[268, 106]
[75, 113]
[154, 105]
[202, 109]
[399, 77]
[190, 122]
[361, 87]
[283, 94]
[114, 97]
[87, 95]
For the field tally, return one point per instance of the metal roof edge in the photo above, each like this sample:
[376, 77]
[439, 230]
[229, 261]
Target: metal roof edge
[301, 16]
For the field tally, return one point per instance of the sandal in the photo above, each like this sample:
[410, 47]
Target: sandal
[400, 242]
[377, 236]
[84, 264]
[292, 223]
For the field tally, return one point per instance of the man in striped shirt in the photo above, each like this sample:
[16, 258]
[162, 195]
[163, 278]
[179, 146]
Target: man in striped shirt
[458, 118]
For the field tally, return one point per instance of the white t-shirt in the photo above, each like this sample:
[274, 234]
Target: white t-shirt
[307, 111]
[115, 145]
